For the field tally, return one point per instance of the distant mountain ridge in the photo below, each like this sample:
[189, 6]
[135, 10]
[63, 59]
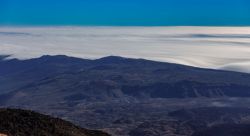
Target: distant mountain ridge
[113, 77]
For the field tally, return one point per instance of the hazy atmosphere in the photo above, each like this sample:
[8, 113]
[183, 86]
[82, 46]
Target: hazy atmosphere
[150, 29]
[207, 47]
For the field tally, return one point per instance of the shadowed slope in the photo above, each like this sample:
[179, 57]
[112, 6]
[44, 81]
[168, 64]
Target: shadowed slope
[15, 122]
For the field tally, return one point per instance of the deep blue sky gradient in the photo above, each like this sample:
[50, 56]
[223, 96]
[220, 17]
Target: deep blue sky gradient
[126, 12]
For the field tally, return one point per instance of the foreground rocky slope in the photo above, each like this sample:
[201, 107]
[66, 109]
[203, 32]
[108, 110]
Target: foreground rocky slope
[15, 122]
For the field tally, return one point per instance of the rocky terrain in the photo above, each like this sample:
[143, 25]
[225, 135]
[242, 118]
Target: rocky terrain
[16, 122]
[207, 121]
[225, 130]
[124, 96]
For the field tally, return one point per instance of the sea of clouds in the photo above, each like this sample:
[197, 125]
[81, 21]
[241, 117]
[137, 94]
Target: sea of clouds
[226, 48]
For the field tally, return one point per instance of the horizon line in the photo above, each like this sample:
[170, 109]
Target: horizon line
[124, 26]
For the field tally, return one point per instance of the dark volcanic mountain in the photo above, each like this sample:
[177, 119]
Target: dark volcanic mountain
[62, 78]
[16, 122]
[123, 96]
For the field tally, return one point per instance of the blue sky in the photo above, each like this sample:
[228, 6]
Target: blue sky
[126, 12]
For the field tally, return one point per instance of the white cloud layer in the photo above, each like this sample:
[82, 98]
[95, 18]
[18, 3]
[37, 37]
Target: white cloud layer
[225, 48]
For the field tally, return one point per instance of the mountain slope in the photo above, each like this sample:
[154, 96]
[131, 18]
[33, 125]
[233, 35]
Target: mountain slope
[62, 78]
[225, 130]
[15, 122]
[206, 121]
[122, 96]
